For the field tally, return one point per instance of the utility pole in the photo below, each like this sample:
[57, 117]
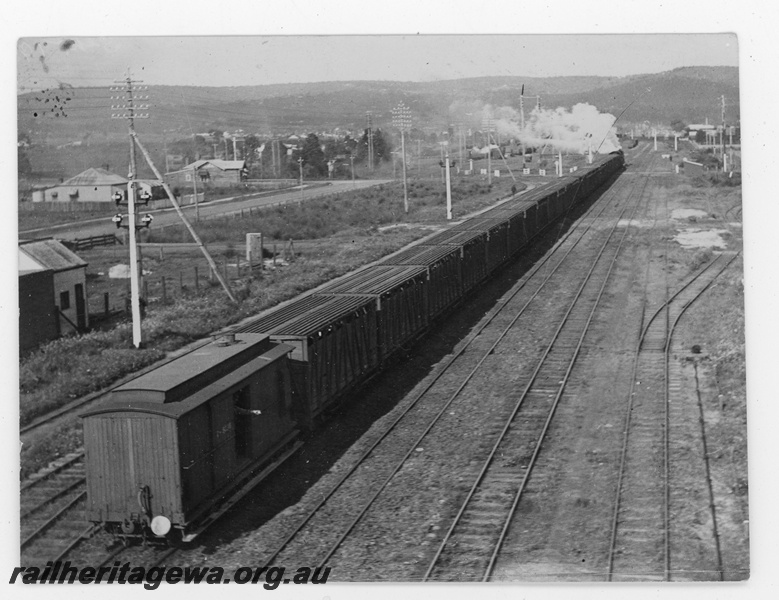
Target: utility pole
[351, 159]
[300, 162]
[194, 188]
[401, 118]
[127, 95]
[722, 136]
[446, 164]
[165, 148]
[369, 118]
[488, 127]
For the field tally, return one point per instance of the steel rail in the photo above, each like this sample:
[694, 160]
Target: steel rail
[55, 497]
[665, 307]
[520, 402]
[30, 538]
[536, 451]
[512, 511]
[672, 330]
[33, 481]
[438, 374]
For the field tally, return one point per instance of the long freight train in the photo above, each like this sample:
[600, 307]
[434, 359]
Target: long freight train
[169, 447]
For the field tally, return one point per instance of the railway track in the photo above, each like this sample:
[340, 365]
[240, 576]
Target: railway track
[475, 537]
[310, 526]
[640, 545]
[50, 502]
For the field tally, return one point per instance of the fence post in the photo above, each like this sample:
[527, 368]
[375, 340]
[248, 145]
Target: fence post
[106, 307]
[197, 280]
[224, 269]
[262, 253]
[164, 292]
[274, 255]
[181, 282]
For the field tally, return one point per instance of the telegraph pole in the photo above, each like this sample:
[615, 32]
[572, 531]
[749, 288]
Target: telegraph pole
[369, 118]
[722, 137]
[300, 162]
[127, 95]
[401, 118]
[488, 127]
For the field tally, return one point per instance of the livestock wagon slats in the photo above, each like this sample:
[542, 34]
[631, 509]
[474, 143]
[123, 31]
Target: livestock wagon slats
[454, 237]
[420, 255]
[482, 224]
[378, 280]
[283, 315]
[502, 213]
[328, 310]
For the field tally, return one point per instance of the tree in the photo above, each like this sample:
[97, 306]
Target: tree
[313, 155]
[250, 146]
[382, 148]
[24, 165]
[678, 125]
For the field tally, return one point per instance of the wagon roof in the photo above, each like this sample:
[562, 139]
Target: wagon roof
[378, 280]
[182, 376]
[308, 315]
[200, 396]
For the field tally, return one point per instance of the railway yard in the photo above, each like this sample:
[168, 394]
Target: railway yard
[580, 417]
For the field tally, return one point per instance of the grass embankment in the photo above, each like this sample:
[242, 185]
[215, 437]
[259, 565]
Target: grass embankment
[365, 209]
[72, 367]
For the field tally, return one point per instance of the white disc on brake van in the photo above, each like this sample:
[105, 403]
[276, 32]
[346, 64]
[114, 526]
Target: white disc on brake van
[160, 525]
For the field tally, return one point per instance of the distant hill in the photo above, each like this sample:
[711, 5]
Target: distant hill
[62, 117]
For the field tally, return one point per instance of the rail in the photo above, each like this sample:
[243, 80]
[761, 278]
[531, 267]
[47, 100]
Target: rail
[556, 368]
[440, 372]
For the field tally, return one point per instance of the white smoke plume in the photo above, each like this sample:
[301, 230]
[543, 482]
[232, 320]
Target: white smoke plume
[572, 131]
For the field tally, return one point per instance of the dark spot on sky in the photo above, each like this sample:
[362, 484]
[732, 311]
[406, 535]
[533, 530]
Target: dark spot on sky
[67, 45]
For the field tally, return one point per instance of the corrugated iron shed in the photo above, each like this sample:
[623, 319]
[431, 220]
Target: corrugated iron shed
[52, 255]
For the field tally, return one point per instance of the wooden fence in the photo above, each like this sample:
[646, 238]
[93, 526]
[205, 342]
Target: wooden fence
[94, 241]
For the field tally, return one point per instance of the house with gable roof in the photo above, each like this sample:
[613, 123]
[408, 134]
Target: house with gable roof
[93, 185]
[213, 172]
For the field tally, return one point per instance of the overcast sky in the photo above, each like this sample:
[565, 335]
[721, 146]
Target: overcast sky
[245, 60]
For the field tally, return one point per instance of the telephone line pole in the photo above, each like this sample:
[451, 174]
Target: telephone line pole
[369, 118]
[129, 97]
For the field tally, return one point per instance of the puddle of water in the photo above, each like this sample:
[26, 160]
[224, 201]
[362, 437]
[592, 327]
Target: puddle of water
[686, 213]
[699, 238]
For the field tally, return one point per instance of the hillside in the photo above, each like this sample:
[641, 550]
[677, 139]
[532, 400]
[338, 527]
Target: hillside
[62, 117]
